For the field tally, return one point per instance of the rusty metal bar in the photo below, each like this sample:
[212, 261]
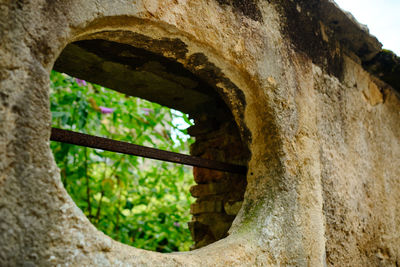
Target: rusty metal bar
[80, 139]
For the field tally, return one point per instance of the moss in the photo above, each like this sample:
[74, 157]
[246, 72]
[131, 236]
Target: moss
[304, 32]
[248, 223]
[386, 66]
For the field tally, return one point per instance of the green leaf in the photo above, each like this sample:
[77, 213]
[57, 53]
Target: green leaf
[153, 193]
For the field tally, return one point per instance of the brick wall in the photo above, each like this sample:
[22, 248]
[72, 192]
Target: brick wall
[219, 195]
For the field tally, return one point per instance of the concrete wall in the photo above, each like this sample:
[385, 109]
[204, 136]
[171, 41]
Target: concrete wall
[323, 182]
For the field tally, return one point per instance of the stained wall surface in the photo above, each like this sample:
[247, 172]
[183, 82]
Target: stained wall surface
[323, 181]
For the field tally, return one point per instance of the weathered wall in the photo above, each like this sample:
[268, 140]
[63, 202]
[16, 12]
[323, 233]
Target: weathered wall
[323, 179]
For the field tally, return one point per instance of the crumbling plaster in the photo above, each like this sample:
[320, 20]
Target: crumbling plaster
[323, 179]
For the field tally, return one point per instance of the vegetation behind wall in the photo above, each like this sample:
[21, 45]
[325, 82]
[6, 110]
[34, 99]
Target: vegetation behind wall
[136, 201]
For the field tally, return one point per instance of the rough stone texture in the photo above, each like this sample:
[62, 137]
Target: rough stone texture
[386, 66]
[323, 182]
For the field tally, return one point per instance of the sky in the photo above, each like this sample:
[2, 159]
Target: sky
[382, 18]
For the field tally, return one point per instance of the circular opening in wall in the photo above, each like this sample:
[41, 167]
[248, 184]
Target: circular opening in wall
[142, 202]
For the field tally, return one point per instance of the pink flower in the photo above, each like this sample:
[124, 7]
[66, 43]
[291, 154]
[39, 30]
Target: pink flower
[176, 224]
[106, 110]
[147, 111]
[80, 82]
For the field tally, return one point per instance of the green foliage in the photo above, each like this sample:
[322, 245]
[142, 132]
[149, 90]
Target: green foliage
[140, 202]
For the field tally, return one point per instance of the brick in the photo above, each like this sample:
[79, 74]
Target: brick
[198, 230]
[232, 208]
[206, 240]
[202, 190]
[202, 175]
[206, 207]
[213, 218]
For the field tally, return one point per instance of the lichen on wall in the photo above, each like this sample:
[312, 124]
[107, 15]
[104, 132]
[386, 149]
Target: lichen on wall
[323, 179]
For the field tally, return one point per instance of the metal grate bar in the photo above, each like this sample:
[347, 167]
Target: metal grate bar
[86, 140]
